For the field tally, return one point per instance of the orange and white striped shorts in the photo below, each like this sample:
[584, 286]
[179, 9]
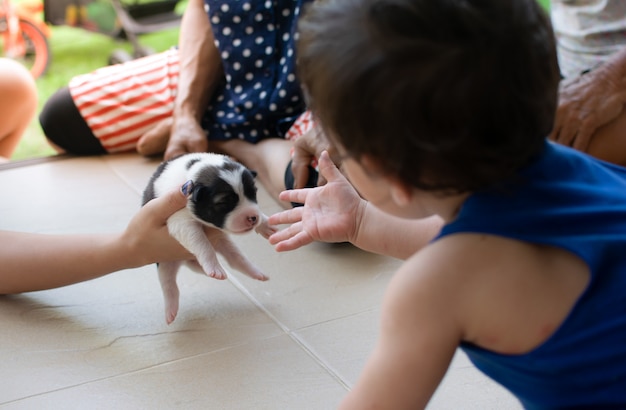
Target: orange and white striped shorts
[121, 102]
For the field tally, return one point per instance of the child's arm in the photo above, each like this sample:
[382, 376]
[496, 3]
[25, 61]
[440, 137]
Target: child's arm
[420, 331]
[336, 213]
[30, 262]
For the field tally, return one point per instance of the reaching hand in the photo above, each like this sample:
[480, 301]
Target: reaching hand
[331, 213]
[586, 103]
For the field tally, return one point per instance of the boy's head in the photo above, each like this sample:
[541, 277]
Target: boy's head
[447, 95]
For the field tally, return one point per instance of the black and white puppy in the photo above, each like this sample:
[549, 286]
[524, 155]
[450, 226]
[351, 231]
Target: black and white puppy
[223, 197]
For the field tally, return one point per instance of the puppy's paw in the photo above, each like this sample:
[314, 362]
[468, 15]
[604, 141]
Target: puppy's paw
[217, 273]
[257, 274]
[265, 229]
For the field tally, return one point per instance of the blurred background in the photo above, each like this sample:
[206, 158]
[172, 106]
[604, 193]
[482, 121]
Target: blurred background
[75, 51]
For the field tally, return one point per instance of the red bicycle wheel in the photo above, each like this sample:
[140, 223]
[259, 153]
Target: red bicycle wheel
[36, 55]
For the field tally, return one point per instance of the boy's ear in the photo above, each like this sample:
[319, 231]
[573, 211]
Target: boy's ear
[400, 192]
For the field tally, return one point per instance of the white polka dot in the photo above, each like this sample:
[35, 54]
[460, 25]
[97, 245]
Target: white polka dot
[246, 52]
[236, 19]
[236, 66]
[238, 89]
[249, 30]
[258, 117]
[269, 50]
[258, 63]
[254, 133]
[282, 93]
[286, 37]
[225, 55]
[286, 12]
[220, 114]
[268, 4]
[257, 86]
[246, 6]
[225, 7]
[291, 77]
[258, 17]
[263, 94]
[243, 96]
[248, 104]
[270, 27]
[226, 31]
[236, 42]
[259, 40]
[215, 20]
[249, 76]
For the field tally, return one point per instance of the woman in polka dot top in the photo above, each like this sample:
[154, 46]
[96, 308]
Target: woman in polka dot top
[232, 77]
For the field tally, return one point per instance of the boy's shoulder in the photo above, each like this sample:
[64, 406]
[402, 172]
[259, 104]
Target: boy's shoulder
[505, 295]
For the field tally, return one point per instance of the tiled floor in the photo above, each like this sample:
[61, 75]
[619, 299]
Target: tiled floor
[295, 342]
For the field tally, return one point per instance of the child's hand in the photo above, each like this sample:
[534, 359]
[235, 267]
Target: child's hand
[331, 213]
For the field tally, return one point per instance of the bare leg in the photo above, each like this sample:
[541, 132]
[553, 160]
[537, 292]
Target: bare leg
[269, 158]
[18, 103]
[609, 141]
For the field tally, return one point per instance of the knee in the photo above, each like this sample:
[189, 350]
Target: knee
[18, 91]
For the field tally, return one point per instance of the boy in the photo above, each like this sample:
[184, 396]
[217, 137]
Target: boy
[441, 109]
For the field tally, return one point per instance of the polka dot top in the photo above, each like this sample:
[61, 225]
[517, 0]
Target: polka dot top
[259, 96]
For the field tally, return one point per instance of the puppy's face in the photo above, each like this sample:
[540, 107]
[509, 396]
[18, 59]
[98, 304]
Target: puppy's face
[224, 196]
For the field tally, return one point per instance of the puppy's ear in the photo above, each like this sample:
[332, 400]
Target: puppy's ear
[199, 192]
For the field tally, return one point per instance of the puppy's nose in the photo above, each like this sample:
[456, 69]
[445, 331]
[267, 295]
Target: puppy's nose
[252, 219]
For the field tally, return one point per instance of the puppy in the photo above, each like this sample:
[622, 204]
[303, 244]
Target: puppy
[223, 197]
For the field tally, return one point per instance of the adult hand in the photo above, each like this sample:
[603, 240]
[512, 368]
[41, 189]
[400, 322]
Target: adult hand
[186, 136]
[331, 213]
[586, 103]
[310, 145]
[147, 234]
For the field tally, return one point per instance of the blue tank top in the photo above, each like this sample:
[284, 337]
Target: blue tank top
[572, 201]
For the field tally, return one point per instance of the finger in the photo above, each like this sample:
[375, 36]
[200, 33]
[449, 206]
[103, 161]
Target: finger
[285, 234]
[583, 138]
[288, 216]
[300, 170]
[299, 240]
[328, 169]
[164, 206]
[295, 195]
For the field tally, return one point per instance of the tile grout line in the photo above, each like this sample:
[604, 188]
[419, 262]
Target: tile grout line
[303, 345]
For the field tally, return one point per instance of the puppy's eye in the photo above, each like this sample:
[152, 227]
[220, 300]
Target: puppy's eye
[225, 202]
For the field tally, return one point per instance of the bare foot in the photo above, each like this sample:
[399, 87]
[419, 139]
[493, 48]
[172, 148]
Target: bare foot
[154, 142]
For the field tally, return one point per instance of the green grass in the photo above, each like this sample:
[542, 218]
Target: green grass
[76, 51]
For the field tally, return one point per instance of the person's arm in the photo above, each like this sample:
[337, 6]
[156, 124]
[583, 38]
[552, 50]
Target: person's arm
[200, 72]
[589, 102]
[419, 333]
[30, 262]
[336, 213]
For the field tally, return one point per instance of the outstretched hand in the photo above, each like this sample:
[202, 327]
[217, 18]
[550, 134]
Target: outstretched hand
[331, 213]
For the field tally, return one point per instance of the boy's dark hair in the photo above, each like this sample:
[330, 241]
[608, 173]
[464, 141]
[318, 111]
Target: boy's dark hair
[451, 95]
